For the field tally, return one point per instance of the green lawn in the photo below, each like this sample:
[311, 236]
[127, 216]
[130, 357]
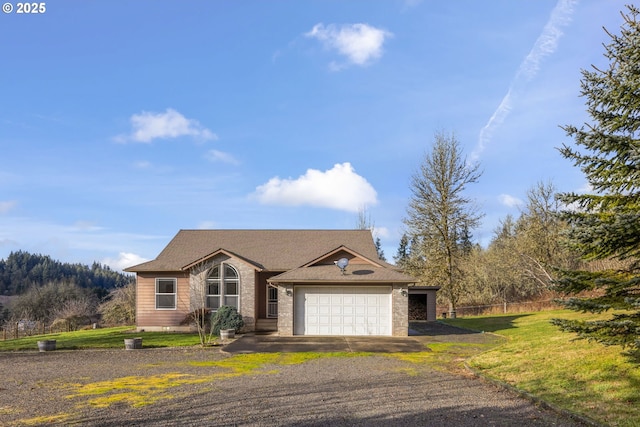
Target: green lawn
[577, 375]
[102, 338]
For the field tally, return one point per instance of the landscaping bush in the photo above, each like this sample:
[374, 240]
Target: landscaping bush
[226, 317]
[199, 318]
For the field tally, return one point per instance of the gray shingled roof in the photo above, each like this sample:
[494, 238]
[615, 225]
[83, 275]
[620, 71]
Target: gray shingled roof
[330, 273]
[273, 250]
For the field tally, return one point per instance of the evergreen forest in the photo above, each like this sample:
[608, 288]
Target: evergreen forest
[23, 270]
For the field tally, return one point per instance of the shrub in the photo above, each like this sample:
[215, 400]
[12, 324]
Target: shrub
[226, 317]
[199, 317]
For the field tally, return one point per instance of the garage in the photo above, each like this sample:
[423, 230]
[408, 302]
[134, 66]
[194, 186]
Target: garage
[342, 310]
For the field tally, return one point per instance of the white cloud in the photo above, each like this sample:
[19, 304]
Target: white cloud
[142, 164]
[148, 126]
[359, 43]
[220, 156]
[82, 225]
[206, 225]
[80, 242]
[337, 188]
[410, 4]
[545, 45]
[586, 188]
[124, 260]
[381, 232]
[8, 205]
[510, 201]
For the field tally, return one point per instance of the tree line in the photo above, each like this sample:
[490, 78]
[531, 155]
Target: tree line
[519, 264]
[38, 289]
[23, 270]
[583, 249]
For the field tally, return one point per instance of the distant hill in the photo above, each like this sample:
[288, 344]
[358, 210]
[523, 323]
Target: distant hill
[22, 270]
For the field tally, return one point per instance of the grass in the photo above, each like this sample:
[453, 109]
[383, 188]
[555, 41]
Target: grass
[576, 375]
[449, 357]
[102, 338]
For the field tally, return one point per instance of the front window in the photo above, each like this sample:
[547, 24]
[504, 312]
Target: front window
[166, 294]
[223, 287]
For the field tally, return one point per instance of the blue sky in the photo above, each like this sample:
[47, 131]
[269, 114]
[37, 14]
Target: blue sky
[122, 122]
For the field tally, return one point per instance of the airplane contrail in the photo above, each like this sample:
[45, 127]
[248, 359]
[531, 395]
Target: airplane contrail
[545, 45]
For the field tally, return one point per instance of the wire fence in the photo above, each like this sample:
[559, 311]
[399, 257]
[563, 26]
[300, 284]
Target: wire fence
[28, 328]
[504, 308]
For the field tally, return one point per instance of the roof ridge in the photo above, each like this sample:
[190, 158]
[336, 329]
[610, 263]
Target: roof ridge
[267, 248]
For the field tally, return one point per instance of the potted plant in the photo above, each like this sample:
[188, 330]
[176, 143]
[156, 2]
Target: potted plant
[133, 343]
[46, 345]
[226, 321]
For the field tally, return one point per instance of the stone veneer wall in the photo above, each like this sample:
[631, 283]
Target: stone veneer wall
[247, 288]
[400, 311]
[247, 294]
[285, 310]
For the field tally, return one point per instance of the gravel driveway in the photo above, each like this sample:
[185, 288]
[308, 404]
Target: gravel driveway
[183, 387]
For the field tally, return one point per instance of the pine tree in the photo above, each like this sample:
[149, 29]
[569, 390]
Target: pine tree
[605, 225]
[402, 256]
[379, 249]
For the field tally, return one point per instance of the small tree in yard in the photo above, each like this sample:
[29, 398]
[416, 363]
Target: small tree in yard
[200, 314]
[605, 225]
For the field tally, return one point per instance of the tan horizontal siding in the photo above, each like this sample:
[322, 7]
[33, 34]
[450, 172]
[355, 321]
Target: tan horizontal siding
[146, 313]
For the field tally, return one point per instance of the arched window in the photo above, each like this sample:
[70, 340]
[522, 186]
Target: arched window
[223, 287]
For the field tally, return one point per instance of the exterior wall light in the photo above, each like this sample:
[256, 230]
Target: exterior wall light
[289, 292]
[403, 292]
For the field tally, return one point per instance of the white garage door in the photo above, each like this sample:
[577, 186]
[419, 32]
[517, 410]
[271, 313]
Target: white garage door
[342, 310]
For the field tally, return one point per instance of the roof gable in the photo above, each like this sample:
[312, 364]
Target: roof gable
[341, 252]
[271, 250]
[216, 253]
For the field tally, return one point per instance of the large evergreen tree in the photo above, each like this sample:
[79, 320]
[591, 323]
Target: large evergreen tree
[605, 224]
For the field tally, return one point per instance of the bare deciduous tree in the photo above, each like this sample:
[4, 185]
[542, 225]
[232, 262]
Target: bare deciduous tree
[364, 222]
[43, 302]
[199, 312]
[120, 306]
[440, 216]
[75, 313]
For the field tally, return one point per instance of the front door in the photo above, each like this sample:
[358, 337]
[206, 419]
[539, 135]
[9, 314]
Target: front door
[272, 301]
